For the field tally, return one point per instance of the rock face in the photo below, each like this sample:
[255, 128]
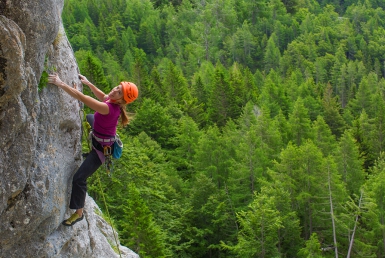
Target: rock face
[41, 140]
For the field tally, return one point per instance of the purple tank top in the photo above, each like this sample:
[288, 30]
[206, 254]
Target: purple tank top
[106, 124]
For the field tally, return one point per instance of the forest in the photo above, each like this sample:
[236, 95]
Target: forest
[259, 130]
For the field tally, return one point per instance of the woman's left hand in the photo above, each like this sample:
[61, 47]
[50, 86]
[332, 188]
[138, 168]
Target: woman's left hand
[54, 79]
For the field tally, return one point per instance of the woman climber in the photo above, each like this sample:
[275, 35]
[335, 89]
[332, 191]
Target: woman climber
[107, 109]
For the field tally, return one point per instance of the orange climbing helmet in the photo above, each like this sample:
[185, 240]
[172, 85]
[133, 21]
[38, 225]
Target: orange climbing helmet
[130, 91]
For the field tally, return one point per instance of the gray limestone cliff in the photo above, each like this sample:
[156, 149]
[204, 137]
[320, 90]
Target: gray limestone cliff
[40, 140]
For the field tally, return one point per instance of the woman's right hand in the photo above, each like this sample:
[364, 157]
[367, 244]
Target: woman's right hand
[54, 79]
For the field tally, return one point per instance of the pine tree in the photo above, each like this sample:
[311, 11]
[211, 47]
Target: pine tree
[202, 199]
[375, 187]
[362, 100]
[259, 225]
[350, 165]
[299, 123]
[378, 140]
[212, 158]
[273, 95]
[237, 85]
[139, 71]
[137, 227]
[290, 233]
[157, 90]
[155, 121]
[323, 137]
[91, 67]
[312, 249]
[176, 84]
[149, 34]
[332, 114]
[272, 54]
[222, 99]
[186, 139]
[362, 130]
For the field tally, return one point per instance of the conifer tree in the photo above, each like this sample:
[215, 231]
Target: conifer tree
[323, 137]
[237, 85]
[140, 69]
[299, 123]
[154, 120]
[350, 165]
[362, 130]
[363, 222]
[362, 100]
[339, 61]
[137, 227]
[272, 54]
[375, 187]
[176, 85]
[332, 114]
[222, 99]
[203, 201]
[273, 95]
[259, 225]
[211, 157]
[242, 46]
[156, 90]
[312, 249]
[199, 90]
[149, 33]
[187, 140]
[290, 233]
[292, 85]
[250, 88]
[283, 128]
[312, 101]
[378, 140]
[91, 67]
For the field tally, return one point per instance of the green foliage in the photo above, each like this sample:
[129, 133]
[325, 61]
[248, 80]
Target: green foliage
[258, 128]
[312, 249]
[154, 120]
[138, 229]
[259, 225]
[44, 75]
[350, 164]
[43, 80]
[375, 187]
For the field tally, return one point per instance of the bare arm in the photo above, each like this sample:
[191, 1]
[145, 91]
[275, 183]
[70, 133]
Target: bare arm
[98, 93]
[92, 103]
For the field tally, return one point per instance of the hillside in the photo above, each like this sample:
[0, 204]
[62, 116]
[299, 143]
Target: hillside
[259, 130]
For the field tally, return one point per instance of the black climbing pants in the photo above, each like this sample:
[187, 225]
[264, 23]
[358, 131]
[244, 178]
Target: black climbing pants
[79, 181]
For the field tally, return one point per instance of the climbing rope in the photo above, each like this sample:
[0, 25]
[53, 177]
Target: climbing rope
[86, 132]
[86, 128]
[108, 215]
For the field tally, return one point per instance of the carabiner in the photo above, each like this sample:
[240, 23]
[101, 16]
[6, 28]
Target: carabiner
[107, 150]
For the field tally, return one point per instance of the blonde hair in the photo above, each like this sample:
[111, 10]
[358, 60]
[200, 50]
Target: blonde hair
[124, 117]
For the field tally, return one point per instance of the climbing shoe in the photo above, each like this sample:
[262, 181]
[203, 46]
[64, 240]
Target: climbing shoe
[72, 220]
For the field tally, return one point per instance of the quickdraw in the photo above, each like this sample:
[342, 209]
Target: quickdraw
[107, 151]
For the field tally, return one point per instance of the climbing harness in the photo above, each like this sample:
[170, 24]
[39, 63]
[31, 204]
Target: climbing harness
[106, 150]
[108, 164]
